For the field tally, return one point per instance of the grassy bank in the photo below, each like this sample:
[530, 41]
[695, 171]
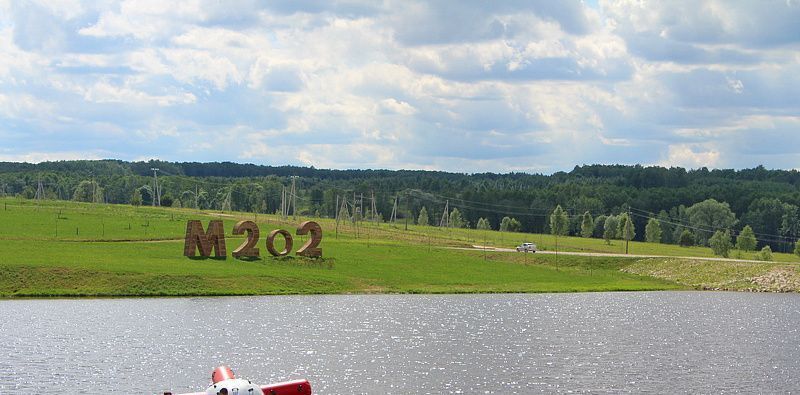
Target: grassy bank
[72, 249]
[721, 275]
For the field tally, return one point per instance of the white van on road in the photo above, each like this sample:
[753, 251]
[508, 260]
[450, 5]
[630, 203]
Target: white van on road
[526, 247]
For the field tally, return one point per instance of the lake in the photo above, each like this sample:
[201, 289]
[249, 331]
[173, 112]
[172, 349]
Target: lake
[663, 342]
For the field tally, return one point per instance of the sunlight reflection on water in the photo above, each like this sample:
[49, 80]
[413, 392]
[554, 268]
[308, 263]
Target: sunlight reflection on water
[409, 344]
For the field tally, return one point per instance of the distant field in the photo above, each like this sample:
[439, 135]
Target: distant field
[59, 248]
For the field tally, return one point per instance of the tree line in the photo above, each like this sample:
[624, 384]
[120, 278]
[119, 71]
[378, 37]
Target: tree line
[689, 205]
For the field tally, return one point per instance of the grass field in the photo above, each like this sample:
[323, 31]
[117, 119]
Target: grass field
[58, 248]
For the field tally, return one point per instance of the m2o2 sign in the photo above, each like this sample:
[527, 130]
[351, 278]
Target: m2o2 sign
[214, 239]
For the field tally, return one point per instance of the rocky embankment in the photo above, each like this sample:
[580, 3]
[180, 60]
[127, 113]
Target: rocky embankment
[722, 275]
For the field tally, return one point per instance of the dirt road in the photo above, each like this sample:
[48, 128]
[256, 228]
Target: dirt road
[609, 254]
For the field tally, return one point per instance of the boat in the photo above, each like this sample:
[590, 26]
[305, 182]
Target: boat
[224, 382]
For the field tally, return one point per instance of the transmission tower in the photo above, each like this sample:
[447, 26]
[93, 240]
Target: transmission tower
[226, 204]
[39, 191]
[374, 214]
[344, 210]
[339, 211]
[393, 217]
[445, 221]
[156, 189]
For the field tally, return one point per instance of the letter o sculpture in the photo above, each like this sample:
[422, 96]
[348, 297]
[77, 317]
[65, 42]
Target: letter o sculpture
[271, 242]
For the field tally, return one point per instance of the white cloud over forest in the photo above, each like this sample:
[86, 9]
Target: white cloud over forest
[454, 85]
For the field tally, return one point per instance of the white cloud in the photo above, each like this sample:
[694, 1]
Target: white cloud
[735, 85]
[24, 106]
[145, 19]
[395, 106]
[37, 157]
[691, 156]
[104, 92]
[459, 86]
[189, 66]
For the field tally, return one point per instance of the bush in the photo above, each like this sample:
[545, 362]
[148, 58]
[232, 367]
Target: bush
[720, 242]
[686, 239]
[765, 254]
[746, 241]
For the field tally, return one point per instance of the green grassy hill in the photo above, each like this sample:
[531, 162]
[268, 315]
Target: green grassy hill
[58, 248]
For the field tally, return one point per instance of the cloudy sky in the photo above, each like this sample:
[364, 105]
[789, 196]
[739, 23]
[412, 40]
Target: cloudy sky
[468, 86]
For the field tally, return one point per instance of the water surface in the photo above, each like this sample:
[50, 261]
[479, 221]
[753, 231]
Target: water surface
[663, 342]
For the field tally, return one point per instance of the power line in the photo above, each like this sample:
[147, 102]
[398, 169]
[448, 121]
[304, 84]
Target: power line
[649, 214]
[733, 232]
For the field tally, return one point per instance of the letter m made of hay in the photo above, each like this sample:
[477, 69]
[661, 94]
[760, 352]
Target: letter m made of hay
[196, 238]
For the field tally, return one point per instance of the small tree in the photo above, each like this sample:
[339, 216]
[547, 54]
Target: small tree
[423, 217]
[686, 238]
[587, 225]
[167, 200]
[514, 225]
[88, 191]
[610, 229]
[136, 198]
[720, 242]
[599, 226]
[746, 240]
[559, 222]
[652, 232]
[765, 254]
[797, 248]
[626, 228]
[504, 224]
[483, 224]
[456, 220]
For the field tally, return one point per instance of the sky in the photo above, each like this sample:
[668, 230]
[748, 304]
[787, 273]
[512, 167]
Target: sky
[467, 86]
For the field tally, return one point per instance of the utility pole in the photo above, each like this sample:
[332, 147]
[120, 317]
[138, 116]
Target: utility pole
[408, 209]
[294, 199]
[374, 209]
[156, 190]
[283, 203]
[336, 216]
[625, 230]
[196, 197]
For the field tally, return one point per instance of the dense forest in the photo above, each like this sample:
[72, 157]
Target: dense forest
[695, 202]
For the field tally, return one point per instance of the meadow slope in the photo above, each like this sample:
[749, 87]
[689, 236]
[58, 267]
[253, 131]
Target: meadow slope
[66, 249]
